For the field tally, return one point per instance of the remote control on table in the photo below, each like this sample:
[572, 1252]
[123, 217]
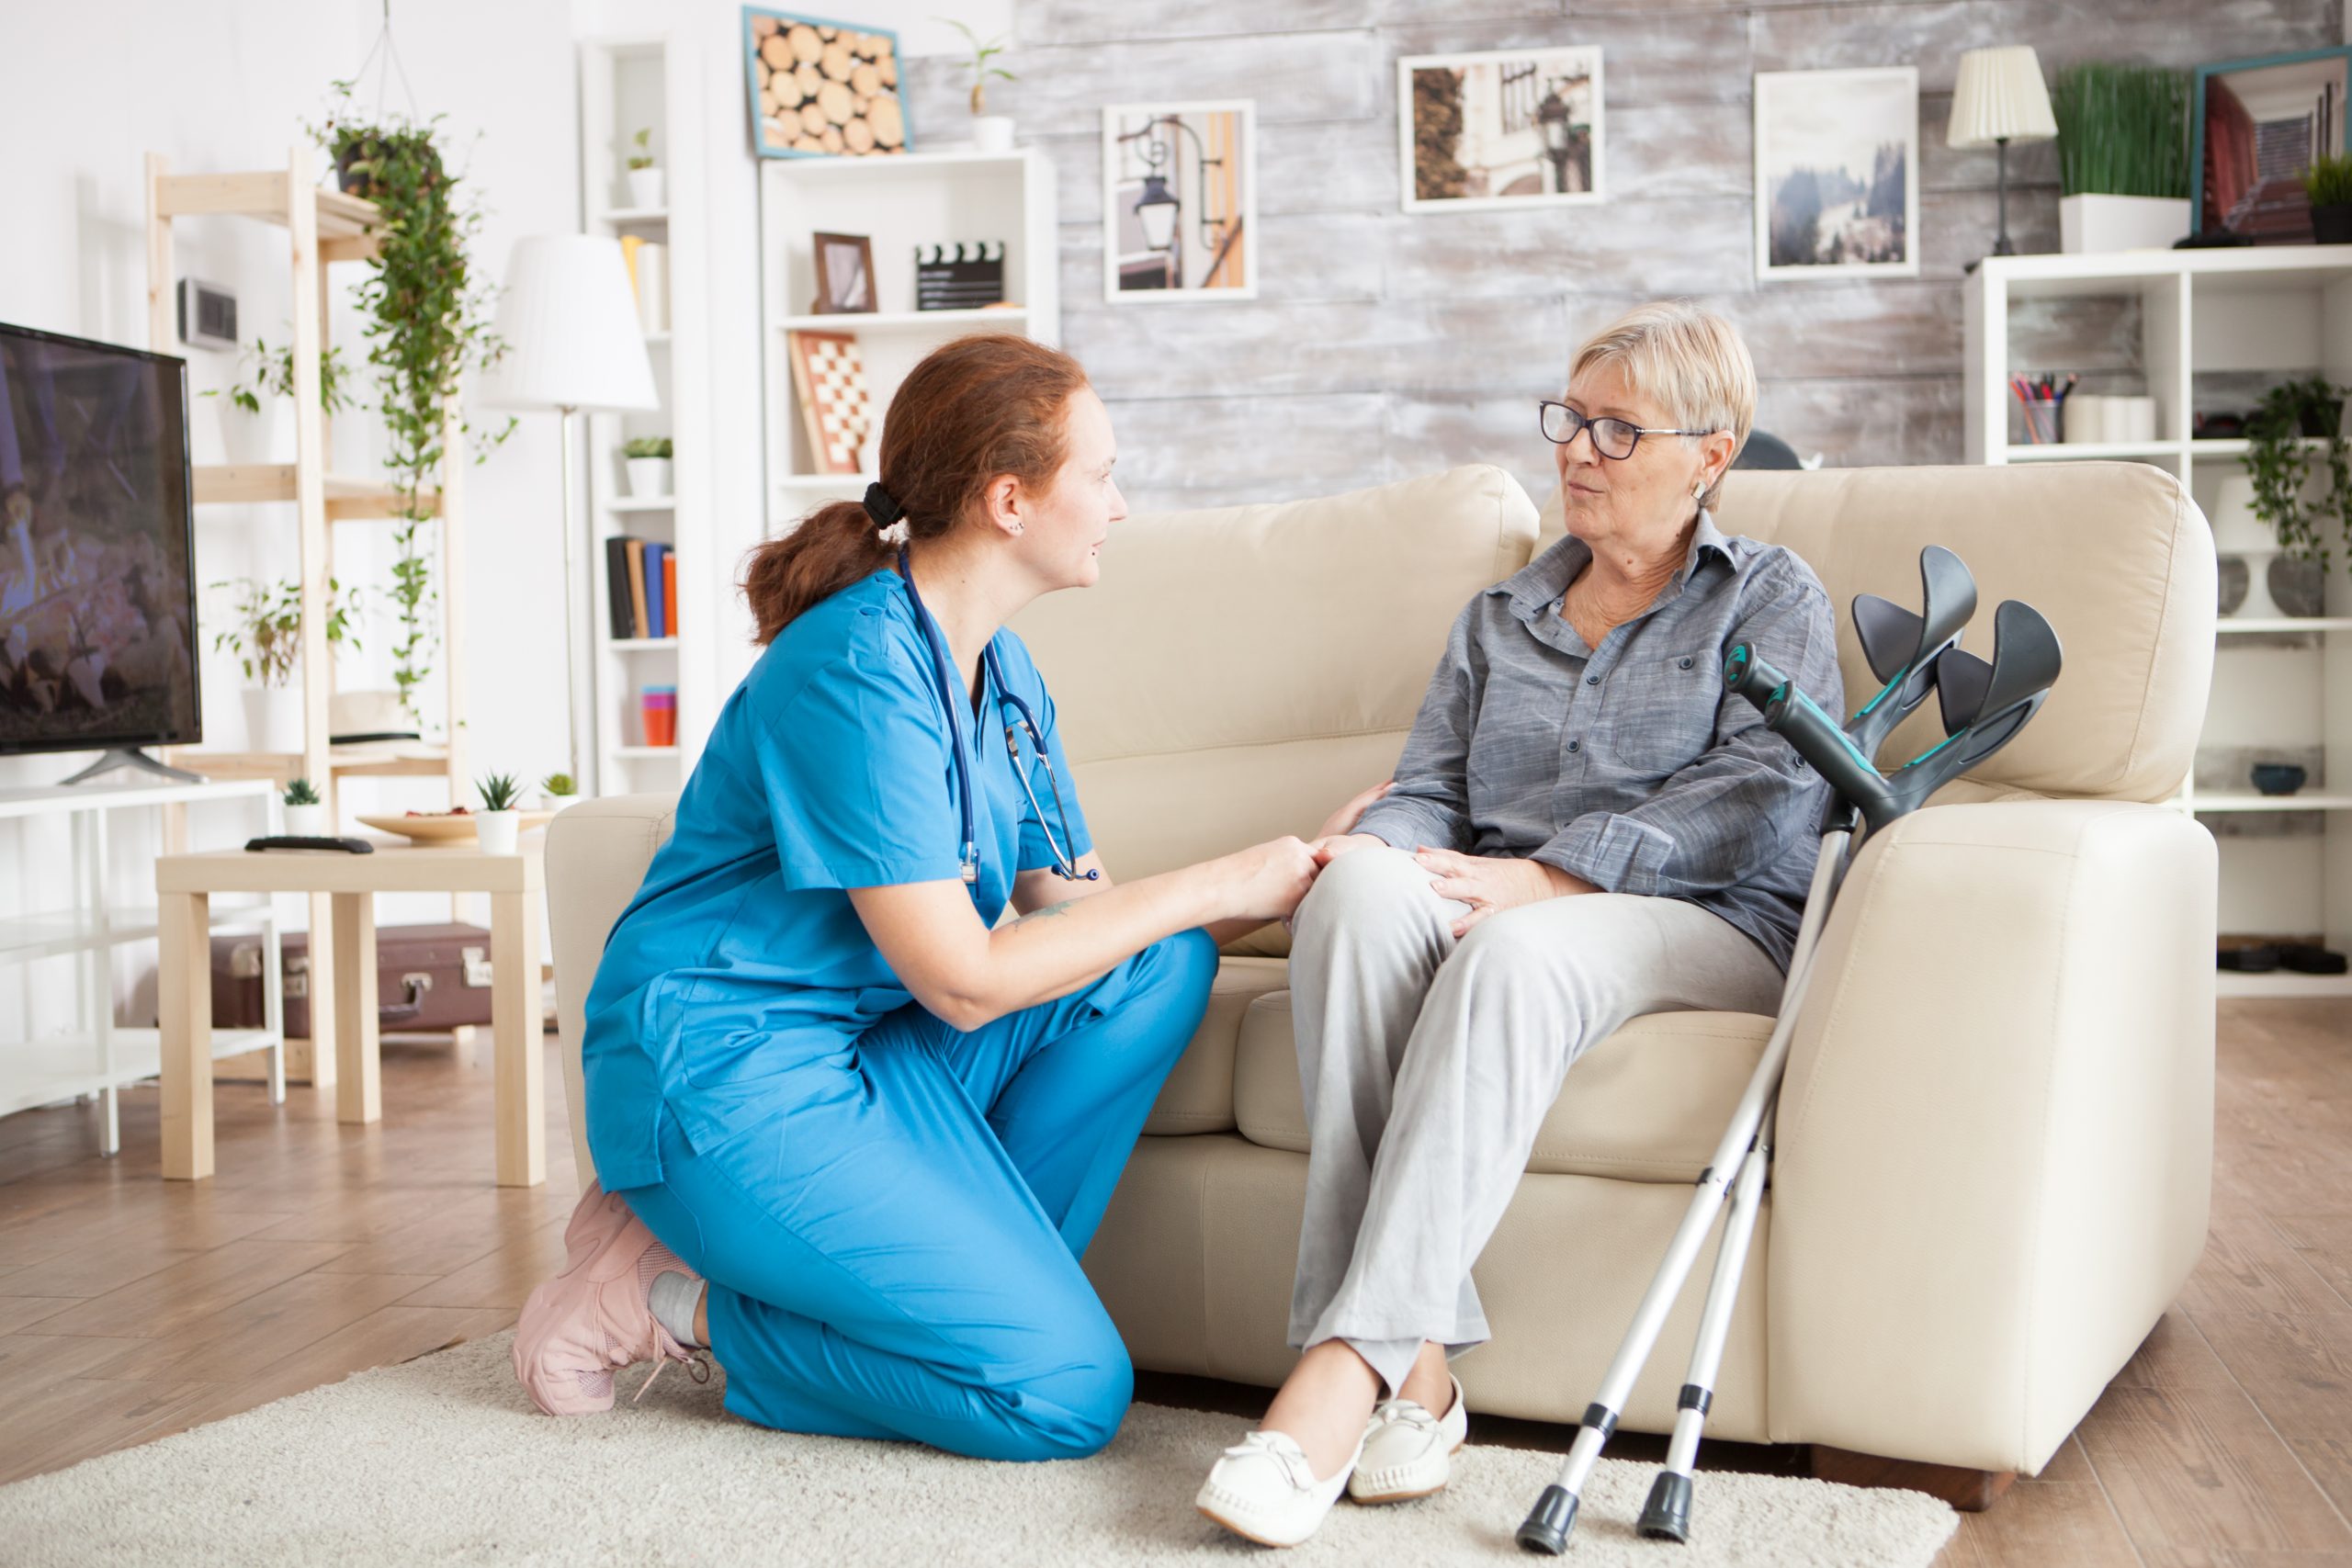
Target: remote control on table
[298, 841]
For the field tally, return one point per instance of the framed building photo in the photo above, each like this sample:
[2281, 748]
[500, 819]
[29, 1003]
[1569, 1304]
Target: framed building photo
[821, 88]
[1180, 202]
[1513, 128]
[2254, 126]
[1837, 173]
[844, 273]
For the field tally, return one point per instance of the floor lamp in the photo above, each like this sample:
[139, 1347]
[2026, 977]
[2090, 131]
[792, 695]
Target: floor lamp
[574, 344]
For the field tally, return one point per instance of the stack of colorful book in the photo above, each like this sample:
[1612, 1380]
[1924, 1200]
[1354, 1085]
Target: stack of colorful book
[643, 577]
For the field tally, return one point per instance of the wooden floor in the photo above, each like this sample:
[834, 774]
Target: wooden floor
[131, 1308]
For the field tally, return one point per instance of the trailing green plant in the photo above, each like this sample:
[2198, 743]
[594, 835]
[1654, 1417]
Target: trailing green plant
[646, 446]
[302, 791]
[266, 372]
[643, 140]
[981, 70]
[266, 631]
[2122, 129]
[2329, 180]
[499, 791]
[558, 785]
[2278, 460]
[427, 324]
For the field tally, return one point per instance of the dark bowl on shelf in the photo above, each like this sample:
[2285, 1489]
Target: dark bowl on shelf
[2278, 778]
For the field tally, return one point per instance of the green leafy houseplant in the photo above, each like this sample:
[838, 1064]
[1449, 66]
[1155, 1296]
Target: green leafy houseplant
[266, 630]
[2278, 464]
[558, 785]
[643, 140]
[2122, 129]
[499, 791]
[981, 70]
[646, 446]
[301, 792]
[266, 372]
[427, 324]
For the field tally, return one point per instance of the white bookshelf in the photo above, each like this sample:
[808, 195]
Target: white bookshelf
[899, 203]
[653, 82]
[2281, 684]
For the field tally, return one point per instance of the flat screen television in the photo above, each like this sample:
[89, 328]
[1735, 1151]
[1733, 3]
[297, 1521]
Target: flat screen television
[97, 590]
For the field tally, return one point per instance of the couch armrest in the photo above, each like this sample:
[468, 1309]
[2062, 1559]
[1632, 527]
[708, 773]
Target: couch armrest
[1994, 1146]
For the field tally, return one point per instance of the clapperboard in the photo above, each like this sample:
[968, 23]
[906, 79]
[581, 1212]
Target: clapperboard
[959, 276]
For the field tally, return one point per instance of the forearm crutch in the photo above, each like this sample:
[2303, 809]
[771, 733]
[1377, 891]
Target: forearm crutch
[1983, 706]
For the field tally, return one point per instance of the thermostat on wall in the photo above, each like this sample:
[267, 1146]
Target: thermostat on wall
[207, 315]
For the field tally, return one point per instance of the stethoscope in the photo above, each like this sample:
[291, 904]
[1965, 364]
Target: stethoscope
[1065, 866]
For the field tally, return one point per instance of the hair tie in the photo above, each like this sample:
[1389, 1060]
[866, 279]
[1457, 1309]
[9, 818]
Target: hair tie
[881, 507]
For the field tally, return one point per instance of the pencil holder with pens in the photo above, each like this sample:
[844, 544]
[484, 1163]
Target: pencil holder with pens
[2043, 398]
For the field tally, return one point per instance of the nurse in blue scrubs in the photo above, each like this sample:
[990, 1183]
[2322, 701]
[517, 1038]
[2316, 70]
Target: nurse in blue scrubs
[853, 1128]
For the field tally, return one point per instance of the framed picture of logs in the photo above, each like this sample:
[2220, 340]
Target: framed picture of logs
[1514, 128]
[821, 88]
[1180, 202]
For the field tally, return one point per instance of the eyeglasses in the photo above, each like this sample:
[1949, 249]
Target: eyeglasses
[1614, 438]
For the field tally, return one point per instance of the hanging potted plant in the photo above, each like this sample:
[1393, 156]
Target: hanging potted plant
[265, 634]
[2278, 460]
[2122, 156]
[426, 320]
[991, 132]
[254, 408]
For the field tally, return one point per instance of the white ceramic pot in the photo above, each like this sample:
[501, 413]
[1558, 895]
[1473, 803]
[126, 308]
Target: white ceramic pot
[649, 477]
[645, 190]
[993, 132]
[498, 831]
[248, 439]
[2093, 225]
[273, 718]
[309, 822]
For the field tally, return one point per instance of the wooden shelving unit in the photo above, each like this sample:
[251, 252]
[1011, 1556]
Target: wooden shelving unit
[2211, 325]
[324, 228]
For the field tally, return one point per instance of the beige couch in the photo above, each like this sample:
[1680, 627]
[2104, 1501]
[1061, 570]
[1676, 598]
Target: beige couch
[1996, 1136]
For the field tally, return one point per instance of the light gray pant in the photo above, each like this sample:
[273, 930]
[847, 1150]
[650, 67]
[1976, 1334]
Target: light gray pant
[1429, 1065]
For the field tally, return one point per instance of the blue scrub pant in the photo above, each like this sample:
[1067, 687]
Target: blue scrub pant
[899, 1257]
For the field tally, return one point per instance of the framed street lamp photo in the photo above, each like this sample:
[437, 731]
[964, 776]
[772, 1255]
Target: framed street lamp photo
[1180, 201]
[1512, 127]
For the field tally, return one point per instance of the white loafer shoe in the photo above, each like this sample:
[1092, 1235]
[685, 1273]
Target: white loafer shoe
[1407, 1452]
[1263, 1489]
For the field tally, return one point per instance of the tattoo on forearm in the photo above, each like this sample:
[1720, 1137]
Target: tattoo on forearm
[1061, 909]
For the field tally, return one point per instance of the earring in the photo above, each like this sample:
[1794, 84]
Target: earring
[1699, 489]
[1020, 527]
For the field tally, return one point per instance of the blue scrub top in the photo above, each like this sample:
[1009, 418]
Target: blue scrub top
[738, 981]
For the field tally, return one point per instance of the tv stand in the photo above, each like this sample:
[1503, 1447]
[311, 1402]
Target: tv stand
[131, 757]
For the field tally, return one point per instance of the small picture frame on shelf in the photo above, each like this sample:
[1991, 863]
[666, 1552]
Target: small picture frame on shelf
[821, 88]
[836, 409]
[844, 274]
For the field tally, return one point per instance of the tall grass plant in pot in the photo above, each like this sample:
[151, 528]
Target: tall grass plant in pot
[2122, 157]
[2328, 182]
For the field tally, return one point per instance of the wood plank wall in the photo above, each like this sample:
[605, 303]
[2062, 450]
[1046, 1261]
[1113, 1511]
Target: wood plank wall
[1383, 346]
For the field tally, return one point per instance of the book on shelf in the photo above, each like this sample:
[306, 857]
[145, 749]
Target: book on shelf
[649, 278]
[655, 553]
[642, 584]
[670, 590]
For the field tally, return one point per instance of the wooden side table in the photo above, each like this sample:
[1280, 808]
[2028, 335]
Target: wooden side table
[345, 1028]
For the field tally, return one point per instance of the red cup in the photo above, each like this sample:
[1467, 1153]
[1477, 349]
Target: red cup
[659, 706]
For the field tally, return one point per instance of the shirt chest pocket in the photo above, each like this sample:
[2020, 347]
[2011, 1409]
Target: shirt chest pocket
[1659, 712]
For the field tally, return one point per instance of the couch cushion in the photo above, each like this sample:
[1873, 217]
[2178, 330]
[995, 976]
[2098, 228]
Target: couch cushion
[2134, 610]
[1647, 1104]
[1198, 1094]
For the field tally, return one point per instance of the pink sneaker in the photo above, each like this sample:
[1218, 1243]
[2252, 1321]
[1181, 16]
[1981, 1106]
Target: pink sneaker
[592, 1317]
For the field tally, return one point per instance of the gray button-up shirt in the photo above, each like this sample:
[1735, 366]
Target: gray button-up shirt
[1630, 765]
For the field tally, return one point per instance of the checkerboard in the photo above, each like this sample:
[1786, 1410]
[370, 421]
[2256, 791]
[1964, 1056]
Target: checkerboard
[835, 407]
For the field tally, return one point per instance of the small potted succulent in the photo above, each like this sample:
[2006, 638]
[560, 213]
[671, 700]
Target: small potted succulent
[558, 791]
[647, 459]
[991, 132]
[498, 826]
[305, 814]
[644, 175]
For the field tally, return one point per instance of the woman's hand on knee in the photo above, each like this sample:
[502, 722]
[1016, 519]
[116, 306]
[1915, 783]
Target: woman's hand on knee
[1491, 883]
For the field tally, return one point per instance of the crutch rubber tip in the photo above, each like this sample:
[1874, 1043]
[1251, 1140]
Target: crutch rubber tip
[1667, 1516]
[1548, 1523]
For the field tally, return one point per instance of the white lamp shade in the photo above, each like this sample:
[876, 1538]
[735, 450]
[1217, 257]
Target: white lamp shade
[1999, 98]
[568, 319]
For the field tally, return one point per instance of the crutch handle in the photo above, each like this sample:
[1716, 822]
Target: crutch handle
[1818, 738]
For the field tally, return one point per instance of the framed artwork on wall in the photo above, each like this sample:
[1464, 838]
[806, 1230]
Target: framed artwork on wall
[2254, 125]
[821, 88]
[1180, 202]
[1837, 173]
[1511, 128]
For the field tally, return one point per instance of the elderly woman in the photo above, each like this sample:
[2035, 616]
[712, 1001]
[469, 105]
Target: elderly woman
[1584, 828]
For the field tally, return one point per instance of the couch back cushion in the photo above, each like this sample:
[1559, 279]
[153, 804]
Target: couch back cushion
[2116, 554]
[1236, 673]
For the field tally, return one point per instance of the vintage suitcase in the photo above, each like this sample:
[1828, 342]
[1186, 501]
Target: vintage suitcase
[427, 977]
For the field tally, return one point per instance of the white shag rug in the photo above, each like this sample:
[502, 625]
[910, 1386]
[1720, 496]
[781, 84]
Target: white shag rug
[443, 1460]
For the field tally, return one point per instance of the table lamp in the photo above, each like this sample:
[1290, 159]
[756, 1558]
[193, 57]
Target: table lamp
[568, 319]
[2000, 99]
